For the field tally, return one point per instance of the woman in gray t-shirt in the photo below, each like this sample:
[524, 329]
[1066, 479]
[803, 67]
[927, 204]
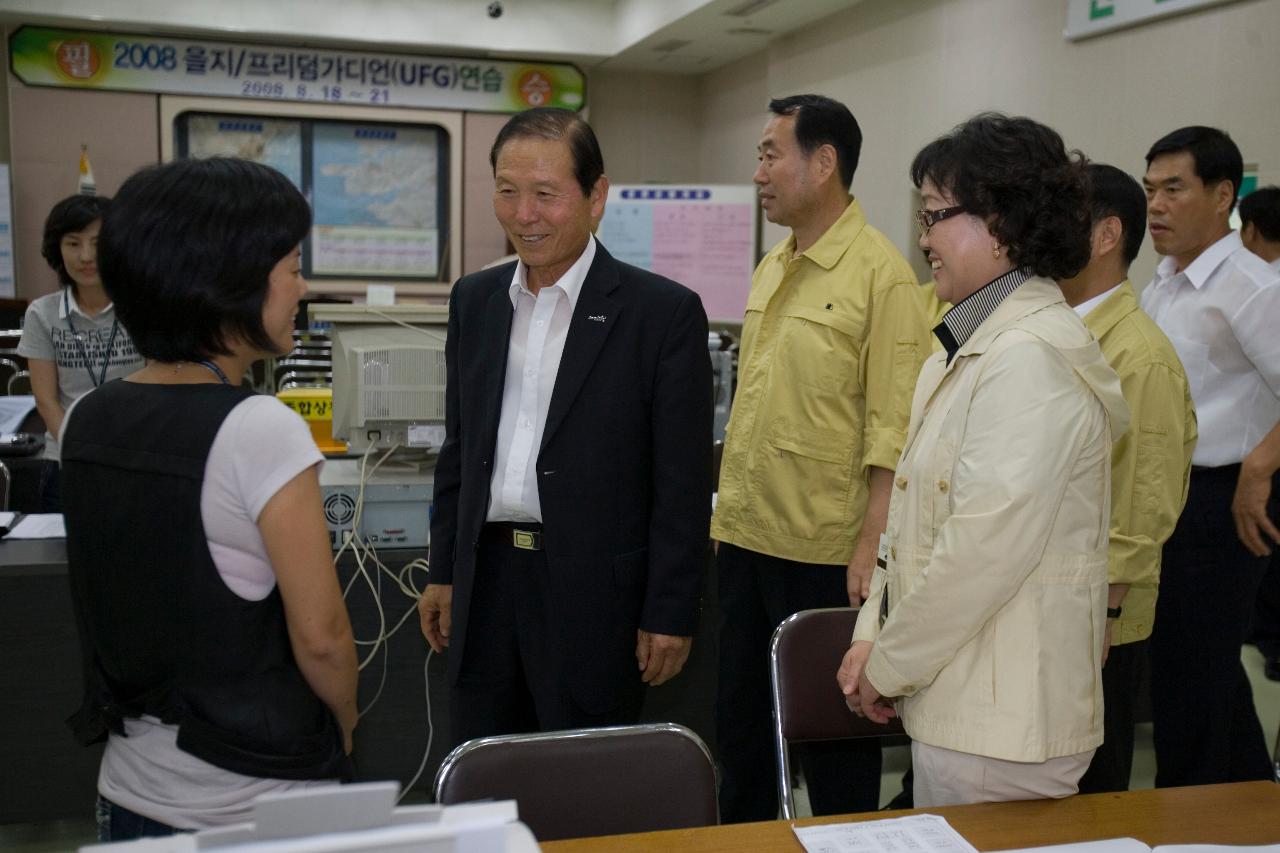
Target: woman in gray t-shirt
[71, 338]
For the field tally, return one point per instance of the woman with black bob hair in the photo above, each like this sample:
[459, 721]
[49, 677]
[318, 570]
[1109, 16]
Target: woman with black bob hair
[984, 626]
[72, 338]
[219, 660]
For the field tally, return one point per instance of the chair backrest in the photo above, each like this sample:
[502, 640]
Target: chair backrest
[8, 369]
[804, 656]
[19, 383]
[586, 782]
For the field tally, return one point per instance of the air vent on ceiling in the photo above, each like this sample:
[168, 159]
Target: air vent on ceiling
[671, 45]
[748, 31]
[749, 8]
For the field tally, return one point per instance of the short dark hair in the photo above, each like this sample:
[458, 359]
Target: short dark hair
[72, 214]
[1016, 173]
[186, 250]
[556, 123]
[1262, 209]
[824, 121]
[1112, 192]
[1215, 155]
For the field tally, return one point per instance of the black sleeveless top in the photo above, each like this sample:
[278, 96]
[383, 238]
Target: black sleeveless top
[161, 634]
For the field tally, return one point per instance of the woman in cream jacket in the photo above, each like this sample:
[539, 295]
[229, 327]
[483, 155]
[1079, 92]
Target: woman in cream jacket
[983, 629]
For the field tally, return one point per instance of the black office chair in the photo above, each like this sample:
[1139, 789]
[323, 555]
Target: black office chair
[585, 782]
[19, 383]
[805, 654]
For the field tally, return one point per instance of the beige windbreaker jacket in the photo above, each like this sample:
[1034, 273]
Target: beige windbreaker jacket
[996, 580]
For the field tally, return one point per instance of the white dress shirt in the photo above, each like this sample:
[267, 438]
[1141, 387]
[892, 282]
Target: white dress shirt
[538, 331]
[1221, 314]
[1088, 305]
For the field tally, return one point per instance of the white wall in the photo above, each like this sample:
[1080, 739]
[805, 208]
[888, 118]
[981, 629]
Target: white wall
[911, 69]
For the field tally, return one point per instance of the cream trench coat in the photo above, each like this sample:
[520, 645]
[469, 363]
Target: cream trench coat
[996, 580]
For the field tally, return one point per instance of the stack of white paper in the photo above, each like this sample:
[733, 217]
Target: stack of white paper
[924, 833]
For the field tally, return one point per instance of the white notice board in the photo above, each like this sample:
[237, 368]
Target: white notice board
[704, 236]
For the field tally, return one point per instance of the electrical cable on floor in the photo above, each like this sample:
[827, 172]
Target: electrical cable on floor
[431, 727]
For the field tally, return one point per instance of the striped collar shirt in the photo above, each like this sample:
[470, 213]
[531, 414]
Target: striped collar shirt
[959, 324]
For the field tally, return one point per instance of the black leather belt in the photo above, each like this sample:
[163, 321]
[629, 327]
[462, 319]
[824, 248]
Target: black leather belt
[1232, 470]
[523, 535]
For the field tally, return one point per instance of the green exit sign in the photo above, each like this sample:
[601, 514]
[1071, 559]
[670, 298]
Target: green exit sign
[1087, 18]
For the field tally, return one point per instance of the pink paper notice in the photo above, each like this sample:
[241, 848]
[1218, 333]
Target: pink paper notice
[708, 248]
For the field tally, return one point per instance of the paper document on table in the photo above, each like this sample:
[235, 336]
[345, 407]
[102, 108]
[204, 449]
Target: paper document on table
[925, 833]
[48, 525]
[1110, 845]
[1217, 848]
[1133, 845]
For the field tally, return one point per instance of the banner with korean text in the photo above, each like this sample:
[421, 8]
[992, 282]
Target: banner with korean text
[135, 63]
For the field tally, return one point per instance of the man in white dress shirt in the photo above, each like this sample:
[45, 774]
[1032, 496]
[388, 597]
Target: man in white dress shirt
[572, 493]
[1260, 233]
[1218, 303]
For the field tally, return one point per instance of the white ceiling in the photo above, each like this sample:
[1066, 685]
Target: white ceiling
[676, 36]
[716, 32]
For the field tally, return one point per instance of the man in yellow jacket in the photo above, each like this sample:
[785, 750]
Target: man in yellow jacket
[832, 340]
[1150, 464]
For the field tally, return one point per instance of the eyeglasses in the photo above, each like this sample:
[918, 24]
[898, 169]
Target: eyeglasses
[926, 219]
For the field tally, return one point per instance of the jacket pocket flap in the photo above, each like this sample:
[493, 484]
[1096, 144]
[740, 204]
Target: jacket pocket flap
[825, 453]
[844, 323]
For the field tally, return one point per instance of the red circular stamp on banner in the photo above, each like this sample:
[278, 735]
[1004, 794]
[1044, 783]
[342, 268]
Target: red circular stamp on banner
[78, 59]
[534, 88]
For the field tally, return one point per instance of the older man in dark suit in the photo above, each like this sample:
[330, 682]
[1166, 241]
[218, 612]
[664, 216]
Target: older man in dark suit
[572, 493]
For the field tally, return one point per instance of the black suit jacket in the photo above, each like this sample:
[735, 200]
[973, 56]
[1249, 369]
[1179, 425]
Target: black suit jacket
[623, 472]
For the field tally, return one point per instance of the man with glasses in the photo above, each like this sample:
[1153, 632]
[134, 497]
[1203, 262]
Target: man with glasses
[833, 337]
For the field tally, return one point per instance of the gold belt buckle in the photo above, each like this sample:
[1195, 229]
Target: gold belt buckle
[525, 540]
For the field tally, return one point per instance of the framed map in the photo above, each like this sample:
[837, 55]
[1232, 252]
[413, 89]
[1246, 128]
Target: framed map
[375, 192]
[378, 192]
[271, 142]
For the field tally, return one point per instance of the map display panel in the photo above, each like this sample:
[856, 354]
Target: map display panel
[375, 190]
[271, 142]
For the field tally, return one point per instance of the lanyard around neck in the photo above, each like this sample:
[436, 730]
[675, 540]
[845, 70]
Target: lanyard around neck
[212, 367]
[84, 350]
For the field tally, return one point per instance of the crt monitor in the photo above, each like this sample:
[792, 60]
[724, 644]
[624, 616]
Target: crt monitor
[388, 374]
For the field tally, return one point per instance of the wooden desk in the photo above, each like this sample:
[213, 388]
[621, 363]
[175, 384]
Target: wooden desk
[1241, 813]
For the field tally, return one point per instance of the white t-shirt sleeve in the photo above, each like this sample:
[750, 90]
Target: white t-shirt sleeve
[36, 342]
[259, 448]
